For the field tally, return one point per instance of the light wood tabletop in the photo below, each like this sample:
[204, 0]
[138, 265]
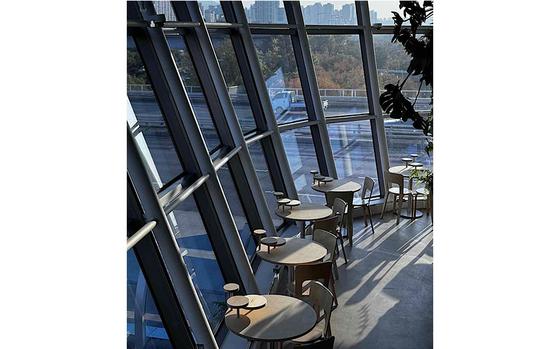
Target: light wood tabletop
[305, 212]
[281, 319]
[338, 186]
[296, 251]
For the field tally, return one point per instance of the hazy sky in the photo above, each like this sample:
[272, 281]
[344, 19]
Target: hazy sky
[383, 8]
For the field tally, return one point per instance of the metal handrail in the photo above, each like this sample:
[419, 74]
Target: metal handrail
[133, 240]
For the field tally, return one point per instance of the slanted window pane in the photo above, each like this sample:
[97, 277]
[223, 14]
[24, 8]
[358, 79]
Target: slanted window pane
[234, 80]
[337, 60]
[265, 12]
[236, 208]
[300, 152]
[153, 136]
[198, 255]
[392, 62]
[212, 11]
[263, 174]
[329, 12]
[279, 68]
[402, 140]
[142, 315]
[194, 91]
[352, 146]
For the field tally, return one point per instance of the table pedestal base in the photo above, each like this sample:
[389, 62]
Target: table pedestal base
[408, 213]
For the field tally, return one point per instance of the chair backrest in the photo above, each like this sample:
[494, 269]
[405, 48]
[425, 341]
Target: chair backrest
[322, 300]
[328, 224]
[318, 271]
[327, 343]
[394, 178]
[367, 189]
[339, 208]
[326, 239]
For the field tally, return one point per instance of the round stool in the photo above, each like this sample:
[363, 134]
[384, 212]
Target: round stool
[259, 234]
[414, 156]
[231, 288]
[237, 302]
[406, 161]
[278, 195]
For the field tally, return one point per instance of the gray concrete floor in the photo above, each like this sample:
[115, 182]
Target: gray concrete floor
[385, 290]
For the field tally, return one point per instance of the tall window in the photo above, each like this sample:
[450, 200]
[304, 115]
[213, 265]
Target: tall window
[237, 210]
[278, 66]
[147, 122]
[300, 152]
[338, 64]
[199, 257]
[352, 147]
[263, 173]
[194, 91]
[144, 328]
[234, 81]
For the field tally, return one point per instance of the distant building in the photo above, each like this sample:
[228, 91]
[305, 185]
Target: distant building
[164, 7]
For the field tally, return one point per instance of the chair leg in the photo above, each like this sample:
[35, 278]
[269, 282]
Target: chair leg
[335, 267]
[384, 204]
[370, 219]
[365, 218]
[342, 247]
[399, 207]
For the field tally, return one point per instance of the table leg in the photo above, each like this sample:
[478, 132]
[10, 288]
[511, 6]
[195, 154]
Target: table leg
[408, 212]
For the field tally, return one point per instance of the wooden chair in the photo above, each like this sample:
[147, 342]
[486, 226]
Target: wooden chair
[329, 224]
[399, 191]
[424, 194]
[365, 199]
[339, 209]
[327, 343]
[321, 272]
[328, 240]
[322, 301]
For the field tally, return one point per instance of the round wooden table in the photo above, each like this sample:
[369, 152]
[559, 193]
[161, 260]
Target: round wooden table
[281, 319]
[295, 252]
[406, 171]
[304, 212]
[345, 190]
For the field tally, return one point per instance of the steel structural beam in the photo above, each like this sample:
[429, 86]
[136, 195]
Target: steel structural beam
[158, 255]
[184, 130]
[310, 89]
[208, 69]
[258, 96]
[372, 91]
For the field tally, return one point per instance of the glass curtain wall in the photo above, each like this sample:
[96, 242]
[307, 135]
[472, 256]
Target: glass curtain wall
[297, 136]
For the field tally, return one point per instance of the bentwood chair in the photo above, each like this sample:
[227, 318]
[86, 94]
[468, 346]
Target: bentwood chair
[321, 272]
[328, 240]
[322, 301]
[329, 224]
[397, 192]
[364, 200]
[339, 209]
[423, 194]
[327, 343]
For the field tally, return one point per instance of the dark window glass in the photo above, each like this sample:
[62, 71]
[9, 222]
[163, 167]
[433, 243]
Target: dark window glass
[236, 208]
[197, 252]
[142, 315]
[278, 65]
[402, 140]
[300, 151]
[352, 147]
[265, 12]
[144, 116]
[234, 80]
[164, 7]
[194, 91]
[263, 173]
[329, 12]
[337, 60]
